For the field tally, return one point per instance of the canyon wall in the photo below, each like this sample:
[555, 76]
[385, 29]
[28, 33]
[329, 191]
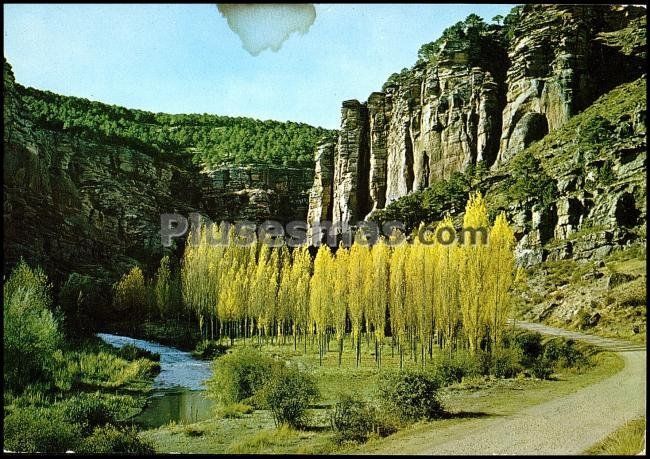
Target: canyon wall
[476, 102]
[72, 204]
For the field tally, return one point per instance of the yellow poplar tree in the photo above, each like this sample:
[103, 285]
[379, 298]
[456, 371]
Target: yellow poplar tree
[398, 296]
[446, 258]
[357, 265]
[320, 290]
[340, 293]
[379, 293]
[301, 274]
[473, 272]
[501, 275]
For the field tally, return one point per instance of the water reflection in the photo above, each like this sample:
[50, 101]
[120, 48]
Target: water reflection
[180, 406]
[178, 394]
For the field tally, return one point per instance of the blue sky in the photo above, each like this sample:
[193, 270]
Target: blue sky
[185, 59]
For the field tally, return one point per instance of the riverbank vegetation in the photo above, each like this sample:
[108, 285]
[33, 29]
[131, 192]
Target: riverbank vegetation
[63, 392]
[352, 413]
[313, 351]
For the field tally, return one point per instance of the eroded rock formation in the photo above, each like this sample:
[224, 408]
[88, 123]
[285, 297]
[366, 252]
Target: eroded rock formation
[482, 102]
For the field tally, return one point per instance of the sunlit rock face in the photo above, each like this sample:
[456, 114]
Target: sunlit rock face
[481, 105]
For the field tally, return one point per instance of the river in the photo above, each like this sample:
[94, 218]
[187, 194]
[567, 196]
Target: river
[178, 389]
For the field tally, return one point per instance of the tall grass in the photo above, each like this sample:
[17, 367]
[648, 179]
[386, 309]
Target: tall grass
[628, 440]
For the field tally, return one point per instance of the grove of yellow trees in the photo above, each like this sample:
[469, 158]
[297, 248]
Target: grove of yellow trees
[421, 294]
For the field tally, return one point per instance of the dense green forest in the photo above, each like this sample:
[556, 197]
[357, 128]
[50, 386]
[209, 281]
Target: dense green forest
[477, 40]
[213, 139]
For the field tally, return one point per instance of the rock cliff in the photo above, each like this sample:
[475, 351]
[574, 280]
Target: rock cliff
[485, 94]
[72, 204]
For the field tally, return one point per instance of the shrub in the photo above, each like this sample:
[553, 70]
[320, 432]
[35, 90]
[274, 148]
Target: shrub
[482, 363]
[352, 419]
[542, 368]
[530, 345]
[505, 363]
[131, 293]
[43, 430]
[31, 333]
[563, 353]
[238, 376]
[110, 439]
[235, 410]
[452, 369]
[288, 393]
[411, 395]
[87, 410]
[131, 352]
[208, 349]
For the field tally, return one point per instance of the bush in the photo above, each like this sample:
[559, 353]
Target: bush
[110, 439]
[31, 332]
[131, 352]
[505, 363]
[288, 393]
[130, 293]
[563, 353]
[530, 345]
[76, 298]
[32, 430]
[238, 376]
[352, 419]
[208, 349]
[235, 410]
[542, 368]
[411, 395]
[87, 410]
[452, 369]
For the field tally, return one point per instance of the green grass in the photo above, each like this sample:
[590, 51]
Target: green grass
[235, 410]
[256, 433]
[627, 440]
[86, 370]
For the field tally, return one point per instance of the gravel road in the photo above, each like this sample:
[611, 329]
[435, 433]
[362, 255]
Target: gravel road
[566, 425]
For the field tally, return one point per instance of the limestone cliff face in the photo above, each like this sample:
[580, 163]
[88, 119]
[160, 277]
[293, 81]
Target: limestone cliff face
[482, 104]
[350, 196]
[558, 68]
[256, 193]
[440, 121]
[320, 197]
[601, 187]
[77, 205]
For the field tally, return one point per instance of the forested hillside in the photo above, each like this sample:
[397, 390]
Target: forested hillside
[213, 139]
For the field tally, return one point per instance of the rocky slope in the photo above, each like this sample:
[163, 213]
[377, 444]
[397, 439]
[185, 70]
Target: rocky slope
[482, 99]
[92, 206]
